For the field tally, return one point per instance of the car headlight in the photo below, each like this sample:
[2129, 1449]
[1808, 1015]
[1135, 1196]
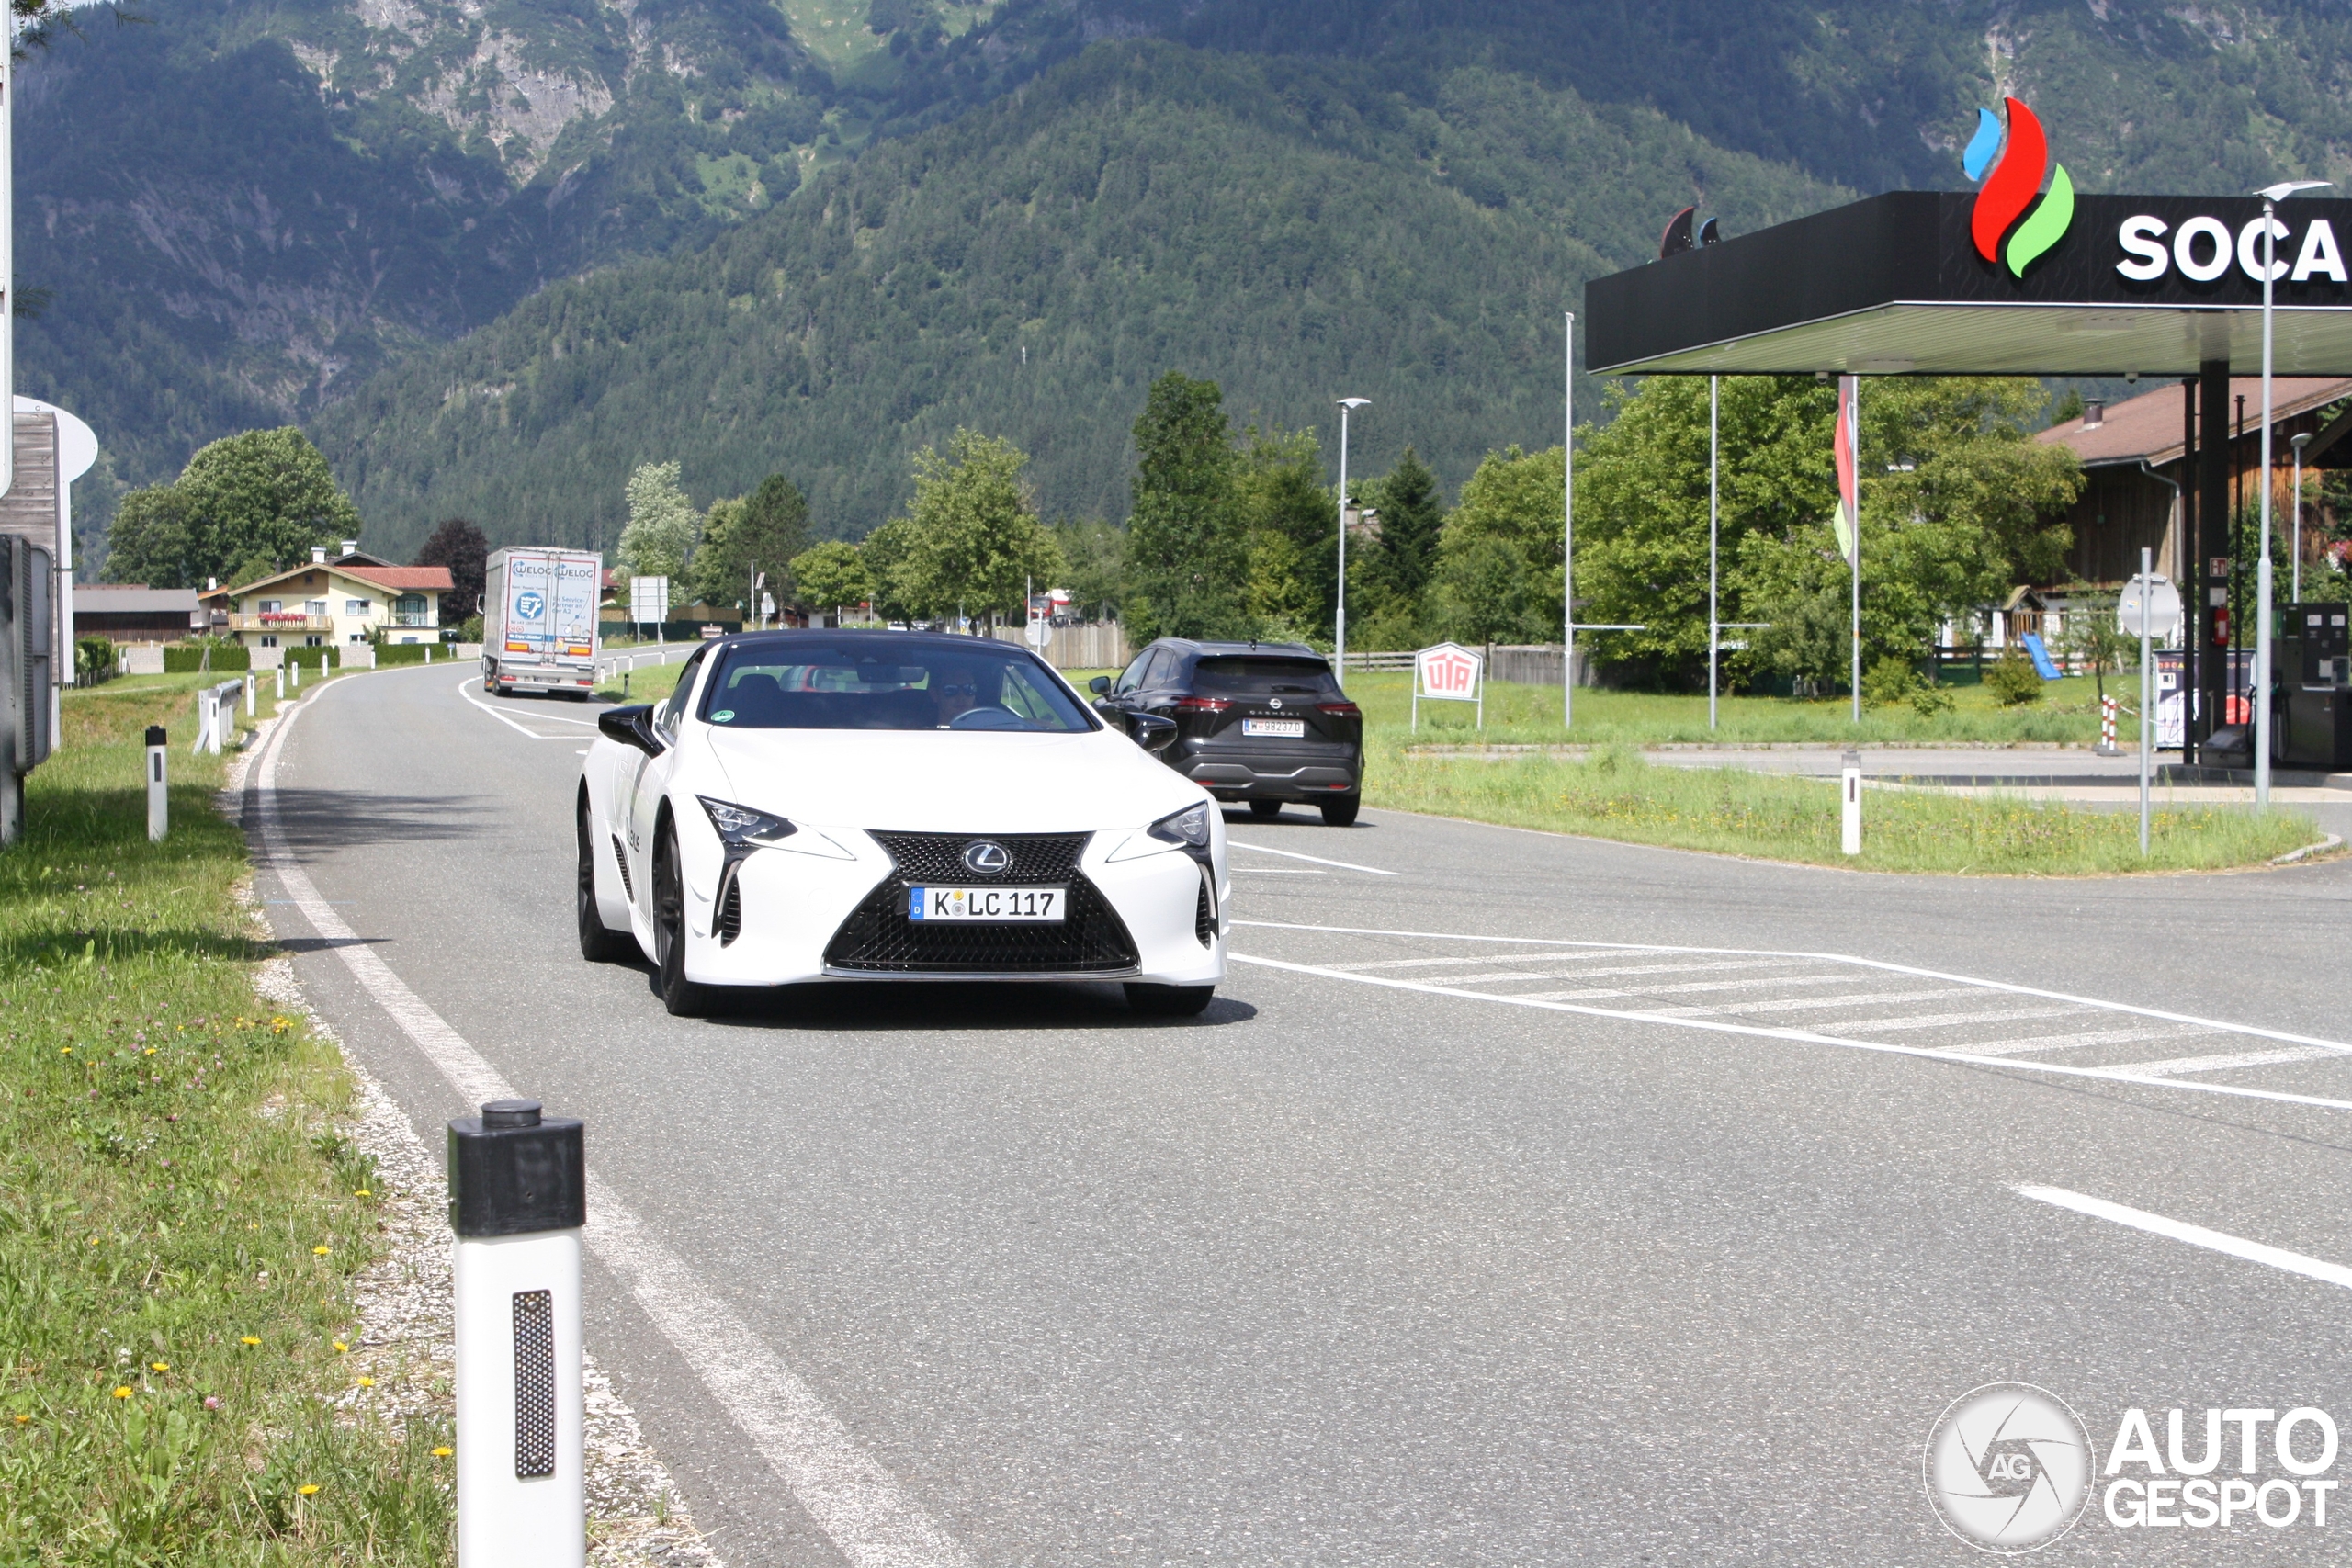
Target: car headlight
[1188, 828]
[739, 826]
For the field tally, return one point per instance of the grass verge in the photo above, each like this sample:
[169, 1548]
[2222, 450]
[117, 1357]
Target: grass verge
[1615, 795]
[179, 1222]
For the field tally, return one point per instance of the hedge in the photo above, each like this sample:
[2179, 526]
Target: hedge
[403, 653]
[186, 659]
[312, 658]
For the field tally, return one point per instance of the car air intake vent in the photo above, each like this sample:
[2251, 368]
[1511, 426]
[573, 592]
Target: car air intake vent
[620, 857]
[939, 857]
[729, 924]
[1204, 913]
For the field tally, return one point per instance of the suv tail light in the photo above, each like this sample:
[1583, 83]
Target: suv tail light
[1202, 704]
[1340, 710]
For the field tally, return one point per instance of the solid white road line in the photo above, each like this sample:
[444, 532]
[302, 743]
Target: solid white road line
[2126, 1008]
[2195, 1236]
[852, 1497]
[1799, 1036]
[2224, 1064]
[1791, 1004]
[1597, 991]
[1318, 860]
[1946, 1019]
[1278, 870]
[1446, 963]
[2075, 1042]
[465, 690]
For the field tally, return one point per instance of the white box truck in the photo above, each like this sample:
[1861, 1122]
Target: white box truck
[538, 631]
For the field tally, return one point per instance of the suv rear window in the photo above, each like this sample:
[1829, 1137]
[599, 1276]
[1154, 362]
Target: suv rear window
[1306, 677]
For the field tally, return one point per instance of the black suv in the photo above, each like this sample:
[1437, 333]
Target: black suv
[1262, 722]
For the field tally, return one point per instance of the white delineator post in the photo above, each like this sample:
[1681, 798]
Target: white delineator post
[1850, 781]
[250, 699]
[517, 1199]
[159, 799]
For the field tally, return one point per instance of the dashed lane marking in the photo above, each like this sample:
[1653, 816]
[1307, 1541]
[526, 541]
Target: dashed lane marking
[2195, 1236]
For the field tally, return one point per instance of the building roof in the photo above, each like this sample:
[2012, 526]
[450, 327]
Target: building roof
[2147, 428]
[407, 579]
[129, 599]
[399, 578]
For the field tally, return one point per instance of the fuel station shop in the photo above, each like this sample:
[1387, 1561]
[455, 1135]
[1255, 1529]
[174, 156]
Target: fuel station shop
[2021, 281]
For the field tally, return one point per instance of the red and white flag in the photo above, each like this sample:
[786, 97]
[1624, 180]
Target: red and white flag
[1849, 518]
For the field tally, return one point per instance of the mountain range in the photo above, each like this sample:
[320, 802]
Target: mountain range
[494, 253]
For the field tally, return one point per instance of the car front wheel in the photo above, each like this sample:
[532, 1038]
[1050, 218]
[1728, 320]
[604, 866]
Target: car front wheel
[681, 995]
[1170, 1001]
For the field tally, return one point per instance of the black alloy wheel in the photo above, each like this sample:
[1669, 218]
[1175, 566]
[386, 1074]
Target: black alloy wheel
[599, 944]
[682, 996]
[1265, 810]
[1339, 813]
[1170, 1001]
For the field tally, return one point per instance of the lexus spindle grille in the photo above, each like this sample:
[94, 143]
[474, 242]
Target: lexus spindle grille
[877, 938]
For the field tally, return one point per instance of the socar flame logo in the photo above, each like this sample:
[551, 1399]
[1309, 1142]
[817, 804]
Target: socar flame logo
[2012, 187]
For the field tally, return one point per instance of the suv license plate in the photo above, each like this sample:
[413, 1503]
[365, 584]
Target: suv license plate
[1033, 905]
[1290, 729]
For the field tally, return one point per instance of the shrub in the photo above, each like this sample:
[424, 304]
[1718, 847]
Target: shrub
[2013, 679]
[93, 660]
[187, 658]
[1892, 678]
[402, 653]
[312, 658]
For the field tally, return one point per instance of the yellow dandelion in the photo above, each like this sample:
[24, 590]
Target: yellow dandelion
[367, 1382]
[437, 1453]
[308, 1489]
[319, 1251]
[159, 1366]
[22, 1419]
[362, 1192]
[340, 1347]
[65, 1050]
[151, 1050]
[248, 1340]
[122, 1394]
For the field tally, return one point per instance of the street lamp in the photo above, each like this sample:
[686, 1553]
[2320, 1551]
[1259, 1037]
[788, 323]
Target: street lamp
[2298, 442]
[2271, 196]
[1339, 615]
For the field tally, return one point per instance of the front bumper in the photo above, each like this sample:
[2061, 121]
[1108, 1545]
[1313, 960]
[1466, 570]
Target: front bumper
[789, 910]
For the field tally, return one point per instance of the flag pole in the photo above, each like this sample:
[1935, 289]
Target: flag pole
[1568, 524]
[1854, 435]
[1715, 617]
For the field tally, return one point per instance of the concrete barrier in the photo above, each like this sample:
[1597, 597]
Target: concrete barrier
[143, 660]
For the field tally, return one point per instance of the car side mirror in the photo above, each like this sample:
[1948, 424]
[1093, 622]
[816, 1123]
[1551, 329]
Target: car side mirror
[1151, 732]
[1100, 685]
[632, 726]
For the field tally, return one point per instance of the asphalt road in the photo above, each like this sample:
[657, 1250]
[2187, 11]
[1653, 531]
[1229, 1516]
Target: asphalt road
[1441, 1238]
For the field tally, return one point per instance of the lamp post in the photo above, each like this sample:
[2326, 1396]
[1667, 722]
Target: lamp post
[1340, 612]
[1568, 524]
[2271, 196]
[2298, 442]
[1714, 620]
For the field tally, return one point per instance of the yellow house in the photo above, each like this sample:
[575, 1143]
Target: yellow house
[333, 604]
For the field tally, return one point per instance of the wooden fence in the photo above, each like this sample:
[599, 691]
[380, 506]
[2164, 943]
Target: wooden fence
[1100, 645]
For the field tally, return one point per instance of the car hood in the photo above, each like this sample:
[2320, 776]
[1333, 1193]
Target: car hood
[948, 781]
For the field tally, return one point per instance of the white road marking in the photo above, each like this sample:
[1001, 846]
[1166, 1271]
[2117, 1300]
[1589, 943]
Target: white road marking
[2195, 1236]
[1582, 993]
[2075, 1042]
[852, 1497]
[1274, 870]
[1946, 1019]
[2004, 987]
[1318, 860]
[558, 718]
[1799, 1036]
[465, 690]
[1441, 963]
[1791, 1004]
[2222, 1063]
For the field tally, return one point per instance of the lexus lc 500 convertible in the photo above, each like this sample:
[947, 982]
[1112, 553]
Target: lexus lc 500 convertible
[822, 805]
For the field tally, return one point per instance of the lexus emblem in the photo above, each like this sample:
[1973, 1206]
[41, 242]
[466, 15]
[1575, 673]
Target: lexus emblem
[1273, 702]
[982, 858]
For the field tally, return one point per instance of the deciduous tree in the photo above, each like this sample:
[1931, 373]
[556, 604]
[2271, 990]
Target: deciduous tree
[465, 550]
[662, 527]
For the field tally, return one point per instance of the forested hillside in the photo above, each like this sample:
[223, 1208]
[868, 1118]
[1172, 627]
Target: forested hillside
[1291, 229]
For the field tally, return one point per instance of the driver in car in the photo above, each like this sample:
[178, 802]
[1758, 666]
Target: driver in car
[957, 691]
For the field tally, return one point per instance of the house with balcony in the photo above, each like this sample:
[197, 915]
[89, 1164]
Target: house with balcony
[333, 604]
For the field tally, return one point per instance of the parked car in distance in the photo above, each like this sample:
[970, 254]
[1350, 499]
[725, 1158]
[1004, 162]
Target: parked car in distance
[1262, 722]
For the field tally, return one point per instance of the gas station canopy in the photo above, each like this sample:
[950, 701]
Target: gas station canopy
[1894, 285]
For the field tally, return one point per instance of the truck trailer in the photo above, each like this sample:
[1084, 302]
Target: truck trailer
[538, 628]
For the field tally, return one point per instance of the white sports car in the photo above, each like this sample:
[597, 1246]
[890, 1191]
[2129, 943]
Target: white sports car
[893, 806]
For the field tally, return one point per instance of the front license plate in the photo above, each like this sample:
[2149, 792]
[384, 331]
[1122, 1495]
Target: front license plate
[1034, 904]
[1291, 728]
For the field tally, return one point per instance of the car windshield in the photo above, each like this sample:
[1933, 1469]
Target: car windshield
[1306, 677]
[873, 681]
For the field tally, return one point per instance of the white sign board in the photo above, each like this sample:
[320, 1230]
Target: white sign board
[1448, 673]
[1041, 632]
[2154, 598]
[648, 599]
